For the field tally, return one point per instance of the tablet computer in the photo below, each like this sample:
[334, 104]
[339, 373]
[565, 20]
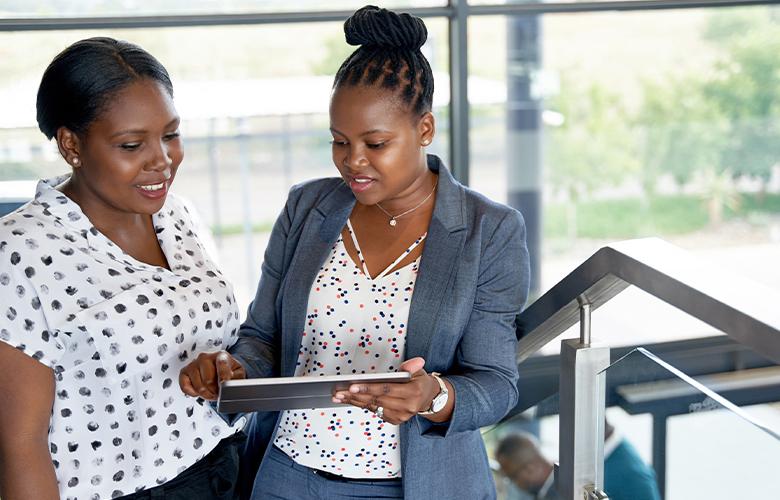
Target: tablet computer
[293, 393]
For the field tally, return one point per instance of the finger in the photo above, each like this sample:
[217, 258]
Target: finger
[372, 402]
[197, 383]
[392, 413]
[385, 389]
[392, 417]
[412, 365]
[224, 371]
[361, 401]
[238, 369]
[373, 389]
[186, 384]
[208, 373]
[398, 411]
[411, 395]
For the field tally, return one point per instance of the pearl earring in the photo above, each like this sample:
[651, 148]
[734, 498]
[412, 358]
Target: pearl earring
[426, 142]
[76, 161]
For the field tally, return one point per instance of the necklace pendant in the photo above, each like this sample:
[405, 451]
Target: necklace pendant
[393, 222]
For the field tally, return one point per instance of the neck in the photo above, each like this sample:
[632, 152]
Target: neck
[115, 224]
[419, 192]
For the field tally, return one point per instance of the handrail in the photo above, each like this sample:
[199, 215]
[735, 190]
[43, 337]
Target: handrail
[659, 268]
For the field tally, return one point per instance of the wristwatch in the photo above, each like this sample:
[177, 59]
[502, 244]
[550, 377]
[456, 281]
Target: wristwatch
[440, 401]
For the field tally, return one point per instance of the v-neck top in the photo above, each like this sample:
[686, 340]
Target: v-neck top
[116, 332]
[389, 268]
[354, 324]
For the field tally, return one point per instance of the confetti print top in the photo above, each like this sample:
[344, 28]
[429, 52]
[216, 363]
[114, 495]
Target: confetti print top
[355, 324]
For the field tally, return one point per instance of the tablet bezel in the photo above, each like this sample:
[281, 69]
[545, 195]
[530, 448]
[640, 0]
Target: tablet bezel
[292, 393]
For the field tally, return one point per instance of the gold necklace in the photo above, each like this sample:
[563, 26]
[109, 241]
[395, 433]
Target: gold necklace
[393, 218]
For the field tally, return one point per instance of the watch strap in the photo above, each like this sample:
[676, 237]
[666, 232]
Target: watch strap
[442, 389]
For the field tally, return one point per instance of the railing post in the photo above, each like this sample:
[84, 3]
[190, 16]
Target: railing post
[582, 410]
[584, 321]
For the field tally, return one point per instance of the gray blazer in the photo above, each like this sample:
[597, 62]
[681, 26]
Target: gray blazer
[472, 283]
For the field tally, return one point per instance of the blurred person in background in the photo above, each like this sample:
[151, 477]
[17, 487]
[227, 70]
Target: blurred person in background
[522, 462]
[626, 475]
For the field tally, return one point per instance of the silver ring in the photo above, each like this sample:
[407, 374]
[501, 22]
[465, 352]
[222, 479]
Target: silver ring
[380, 412]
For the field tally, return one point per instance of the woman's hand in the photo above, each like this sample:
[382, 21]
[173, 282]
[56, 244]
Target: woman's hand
[399, 401]
[201, 378]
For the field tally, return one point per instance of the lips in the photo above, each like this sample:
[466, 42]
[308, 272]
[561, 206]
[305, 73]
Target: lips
[151, 187]
[153, 190]
[360, 183]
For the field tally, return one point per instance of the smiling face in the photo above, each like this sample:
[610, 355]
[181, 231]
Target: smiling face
[129, 155]
[378, 146]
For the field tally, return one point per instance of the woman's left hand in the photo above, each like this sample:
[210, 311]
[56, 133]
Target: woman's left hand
[399, 401]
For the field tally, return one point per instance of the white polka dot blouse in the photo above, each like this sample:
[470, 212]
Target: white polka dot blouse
[116, 332]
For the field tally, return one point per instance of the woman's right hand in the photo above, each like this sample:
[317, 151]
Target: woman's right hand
[201, 377]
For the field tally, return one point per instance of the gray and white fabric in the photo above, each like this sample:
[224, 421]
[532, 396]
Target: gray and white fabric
[116, 332]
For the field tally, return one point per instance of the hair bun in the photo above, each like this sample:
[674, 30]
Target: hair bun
[372, 26]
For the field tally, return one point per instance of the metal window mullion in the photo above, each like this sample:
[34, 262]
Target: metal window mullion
[191, 20]
[596, 6]
[459, 100]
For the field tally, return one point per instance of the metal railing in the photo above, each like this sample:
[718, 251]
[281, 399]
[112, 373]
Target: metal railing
[664, 271]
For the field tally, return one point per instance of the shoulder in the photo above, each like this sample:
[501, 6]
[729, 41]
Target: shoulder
[308, 193]
[462, 206]
[479, 205]
[324, 194]
[28, 228]
[492, 221]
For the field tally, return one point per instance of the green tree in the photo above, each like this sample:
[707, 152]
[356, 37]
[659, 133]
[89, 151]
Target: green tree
[713, 127]
[594, 146]
[745, 89]
[682, 132]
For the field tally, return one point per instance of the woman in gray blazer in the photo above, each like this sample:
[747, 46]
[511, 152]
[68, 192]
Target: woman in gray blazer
[392, 266]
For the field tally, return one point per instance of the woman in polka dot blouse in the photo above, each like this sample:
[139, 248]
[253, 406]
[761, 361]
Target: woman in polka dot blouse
[392, 266]
[108, 291]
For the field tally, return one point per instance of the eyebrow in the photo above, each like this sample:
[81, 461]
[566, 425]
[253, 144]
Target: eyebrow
[368, 132]
[142, 131]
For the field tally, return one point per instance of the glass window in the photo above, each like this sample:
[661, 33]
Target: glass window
[597, 140]
[509, 2]
[91, 8]
[254, 103]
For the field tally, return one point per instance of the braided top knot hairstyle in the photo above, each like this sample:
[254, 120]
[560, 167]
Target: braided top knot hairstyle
[389, 56]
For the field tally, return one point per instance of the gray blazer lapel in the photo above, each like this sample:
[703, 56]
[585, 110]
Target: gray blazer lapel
[320, 231]
[443, 245]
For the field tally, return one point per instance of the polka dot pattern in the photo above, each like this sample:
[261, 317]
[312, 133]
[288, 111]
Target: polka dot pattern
[116, 332]
[354, 324]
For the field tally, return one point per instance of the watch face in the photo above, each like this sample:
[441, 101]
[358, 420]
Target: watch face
[439, 402]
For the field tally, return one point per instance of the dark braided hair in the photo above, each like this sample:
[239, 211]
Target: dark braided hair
[389, 55]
